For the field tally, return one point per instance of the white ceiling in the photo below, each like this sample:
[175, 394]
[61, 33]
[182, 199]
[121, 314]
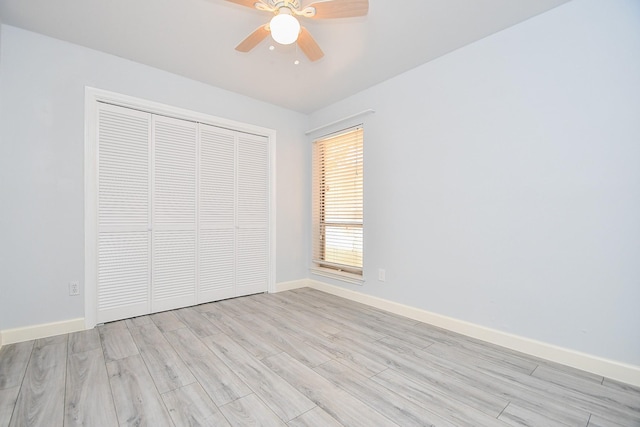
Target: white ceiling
[196, 39]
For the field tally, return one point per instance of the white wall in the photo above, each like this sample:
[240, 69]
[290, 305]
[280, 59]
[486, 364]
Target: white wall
[502, 181]
[42, 84]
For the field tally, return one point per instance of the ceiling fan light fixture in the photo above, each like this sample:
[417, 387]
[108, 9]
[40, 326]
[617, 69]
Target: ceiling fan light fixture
[285, 28]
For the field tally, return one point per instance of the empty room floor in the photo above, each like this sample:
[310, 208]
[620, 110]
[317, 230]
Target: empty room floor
[296, 358]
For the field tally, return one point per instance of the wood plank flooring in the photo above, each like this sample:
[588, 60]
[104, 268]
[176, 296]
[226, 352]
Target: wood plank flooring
[300, 358]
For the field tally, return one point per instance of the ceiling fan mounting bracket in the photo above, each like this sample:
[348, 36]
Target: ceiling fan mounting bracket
[263, 6]
[307, 12]
[274, 6]
[284, 9]
[291, 4]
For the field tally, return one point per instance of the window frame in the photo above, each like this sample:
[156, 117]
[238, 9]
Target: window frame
[320, 265]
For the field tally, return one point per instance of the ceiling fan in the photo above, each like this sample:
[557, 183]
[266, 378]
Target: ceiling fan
[285, 28]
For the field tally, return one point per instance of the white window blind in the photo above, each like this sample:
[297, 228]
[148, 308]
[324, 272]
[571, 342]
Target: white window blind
[338, 201]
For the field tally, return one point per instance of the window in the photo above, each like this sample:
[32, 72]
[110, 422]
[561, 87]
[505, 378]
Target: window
[338, 202]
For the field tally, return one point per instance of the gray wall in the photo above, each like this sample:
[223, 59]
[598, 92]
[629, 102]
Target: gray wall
[502, 181]
[42, 156]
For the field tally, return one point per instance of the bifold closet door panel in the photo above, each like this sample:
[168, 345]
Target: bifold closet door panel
[252, 261]
[183, 213]
[217, 214]
[123, 243]
[174, 209]
[252, 254]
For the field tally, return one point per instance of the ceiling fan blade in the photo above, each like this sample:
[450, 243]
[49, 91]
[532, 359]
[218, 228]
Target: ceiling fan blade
[248, 3]
[329, 9]
[253, 40]
[309, 46]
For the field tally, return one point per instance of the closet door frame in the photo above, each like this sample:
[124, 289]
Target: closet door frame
[93, 97]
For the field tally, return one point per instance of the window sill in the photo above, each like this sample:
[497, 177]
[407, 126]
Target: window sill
[343, 276]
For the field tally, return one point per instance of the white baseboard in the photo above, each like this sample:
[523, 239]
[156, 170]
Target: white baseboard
[294, 284]
[611, 369]
[10, 336]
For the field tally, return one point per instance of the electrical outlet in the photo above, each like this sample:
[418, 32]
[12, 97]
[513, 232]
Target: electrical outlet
[381, 274]
[74, 288]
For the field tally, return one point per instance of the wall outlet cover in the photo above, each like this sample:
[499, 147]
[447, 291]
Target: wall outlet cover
[74, 288]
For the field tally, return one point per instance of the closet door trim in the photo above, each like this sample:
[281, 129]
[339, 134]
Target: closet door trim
[95, 96]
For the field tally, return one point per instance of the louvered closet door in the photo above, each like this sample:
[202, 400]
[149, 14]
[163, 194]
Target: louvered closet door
[217, 214]
[123, 244]
[173, 271]
[252, 253]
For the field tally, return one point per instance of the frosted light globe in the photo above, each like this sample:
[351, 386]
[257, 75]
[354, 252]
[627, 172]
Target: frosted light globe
[284, 28]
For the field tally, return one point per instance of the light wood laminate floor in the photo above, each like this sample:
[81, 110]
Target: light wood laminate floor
[297, 358]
